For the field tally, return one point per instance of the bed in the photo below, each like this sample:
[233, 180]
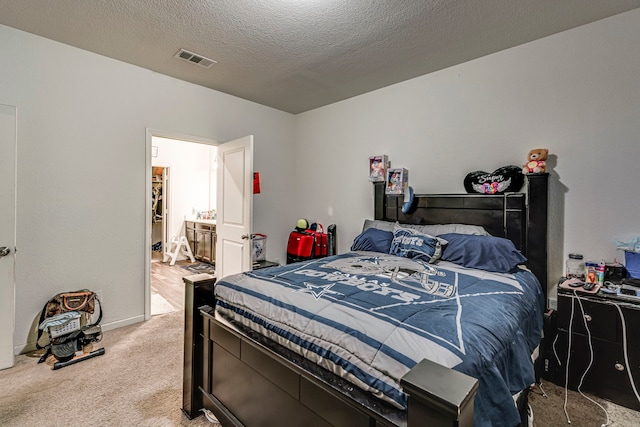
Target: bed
[430, 334]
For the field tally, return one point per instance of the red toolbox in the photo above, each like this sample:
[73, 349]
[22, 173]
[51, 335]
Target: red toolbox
[301, 246]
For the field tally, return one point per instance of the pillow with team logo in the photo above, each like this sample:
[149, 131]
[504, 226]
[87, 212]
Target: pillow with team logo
[411, 243]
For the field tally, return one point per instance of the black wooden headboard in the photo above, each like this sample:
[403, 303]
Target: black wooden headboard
[519, 217]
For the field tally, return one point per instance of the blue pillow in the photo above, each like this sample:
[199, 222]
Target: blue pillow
[410, 243]
[373, 239]
[482, 252]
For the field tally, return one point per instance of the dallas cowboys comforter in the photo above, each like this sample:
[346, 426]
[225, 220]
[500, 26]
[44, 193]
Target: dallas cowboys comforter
[370, 317]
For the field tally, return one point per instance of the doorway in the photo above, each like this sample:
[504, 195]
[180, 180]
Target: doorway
[159, 212]
[179, 171]
[166, 295]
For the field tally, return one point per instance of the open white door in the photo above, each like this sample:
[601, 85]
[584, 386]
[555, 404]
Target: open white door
[234, 206]
[7, 232]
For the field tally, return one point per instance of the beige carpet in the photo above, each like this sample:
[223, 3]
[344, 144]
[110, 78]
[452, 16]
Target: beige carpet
[549, 411]
[138, 382]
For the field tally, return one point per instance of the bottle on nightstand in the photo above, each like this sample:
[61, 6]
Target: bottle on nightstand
[576, 267]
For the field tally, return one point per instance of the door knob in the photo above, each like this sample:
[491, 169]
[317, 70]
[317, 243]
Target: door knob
[244, 236]
[4, 251]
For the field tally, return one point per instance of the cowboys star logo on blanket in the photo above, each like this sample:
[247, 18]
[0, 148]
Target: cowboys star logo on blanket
[318, 290]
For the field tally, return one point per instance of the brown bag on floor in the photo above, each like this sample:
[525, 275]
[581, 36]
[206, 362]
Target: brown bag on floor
[83, 300]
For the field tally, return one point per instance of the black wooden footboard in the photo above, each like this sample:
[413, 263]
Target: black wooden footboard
[245, 383]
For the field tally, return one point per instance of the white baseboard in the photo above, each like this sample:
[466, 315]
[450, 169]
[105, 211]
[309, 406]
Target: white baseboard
[31, 346]
[123, 322]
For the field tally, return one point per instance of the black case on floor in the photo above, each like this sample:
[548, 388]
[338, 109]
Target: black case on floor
[547, 364]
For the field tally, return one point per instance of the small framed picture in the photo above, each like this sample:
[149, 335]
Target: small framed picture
[378, 168]
[397, 180]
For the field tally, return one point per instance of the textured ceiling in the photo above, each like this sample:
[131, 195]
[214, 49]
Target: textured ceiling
[296, 55]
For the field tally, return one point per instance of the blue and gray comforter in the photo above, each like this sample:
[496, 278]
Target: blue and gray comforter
[370, 317]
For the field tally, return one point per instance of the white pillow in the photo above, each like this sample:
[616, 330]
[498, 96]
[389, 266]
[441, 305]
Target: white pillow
[431, 229]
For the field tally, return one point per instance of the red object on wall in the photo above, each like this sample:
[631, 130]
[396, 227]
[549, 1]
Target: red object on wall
[256, 183]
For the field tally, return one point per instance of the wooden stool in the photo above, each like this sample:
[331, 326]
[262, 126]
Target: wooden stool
[180, 243]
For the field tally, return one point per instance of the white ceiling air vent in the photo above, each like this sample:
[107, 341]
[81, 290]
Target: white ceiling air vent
[195, 58]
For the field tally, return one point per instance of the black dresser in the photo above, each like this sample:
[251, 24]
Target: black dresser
[598, 334]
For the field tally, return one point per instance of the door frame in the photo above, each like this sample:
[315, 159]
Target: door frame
[150, 133]
[8, 304]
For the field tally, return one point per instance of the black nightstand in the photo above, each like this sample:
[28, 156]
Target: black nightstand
[613, 323]
[264, 264]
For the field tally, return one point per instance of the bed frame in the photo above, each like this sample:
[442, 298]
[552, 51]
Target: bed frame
[244, 382]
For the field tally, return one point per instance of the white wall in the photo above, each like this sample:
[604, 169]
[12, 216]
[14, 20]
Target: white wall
[82, 121]
[577, 93]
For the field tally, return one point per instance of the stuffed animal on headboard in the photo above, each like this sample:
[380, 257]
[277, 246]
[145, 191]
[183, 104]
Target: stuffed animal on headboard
[536, 161]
